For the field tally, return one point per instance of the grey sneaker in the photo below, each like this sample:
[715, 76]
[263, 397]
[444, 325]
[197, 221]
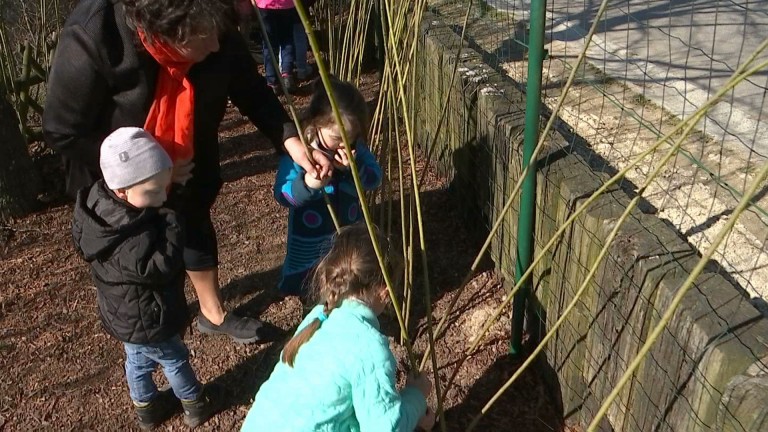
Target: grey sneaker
[241, 329]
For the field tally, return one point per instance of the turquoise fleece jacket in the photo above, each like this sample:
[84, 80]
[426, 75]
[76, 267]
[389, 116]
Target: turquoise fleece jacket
[343, 379]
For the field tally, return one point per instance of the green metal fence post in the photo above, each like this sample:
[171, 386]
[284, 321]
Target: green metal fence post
[528, 196]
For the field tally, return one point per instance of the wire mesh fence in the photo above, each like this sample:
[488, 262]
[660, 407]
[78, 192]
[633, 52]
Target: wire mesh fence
[650, 67]
[636, 85]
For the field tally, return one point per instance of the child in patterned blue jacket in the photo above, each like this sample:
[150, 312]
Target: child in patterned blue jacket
[337, 374]
[310, 226]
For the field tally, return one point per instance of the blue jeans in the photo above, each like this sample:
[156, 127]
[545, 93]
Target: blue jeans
[278, 25]
[300, 43]
[173, 356]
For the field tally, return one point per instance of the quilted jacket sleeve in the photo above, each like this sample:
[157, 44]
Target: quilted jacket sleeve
[158, 260]
[370, 171]
[378, 405]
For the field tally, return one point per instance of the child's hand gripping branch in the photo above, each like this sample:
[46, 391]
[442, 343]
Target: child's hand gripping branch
[340, 162]
[422, 382]
[330, 142]
[314, 183]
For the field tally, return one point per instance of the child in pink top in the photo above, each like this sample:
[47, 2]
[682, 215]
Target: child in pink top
[279, 17]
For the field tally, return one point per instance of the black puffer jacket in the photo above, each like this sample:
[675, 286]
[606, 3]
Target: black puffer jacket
[136, 263]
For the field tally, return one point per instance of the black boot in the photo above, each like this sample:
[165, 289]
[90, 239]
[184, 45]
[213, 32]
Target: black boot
[289, 82]
[158, 410]
[196, 412]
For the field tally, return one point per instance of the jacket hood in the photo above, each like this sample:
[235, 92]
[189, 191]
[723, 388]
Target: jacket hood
[102, 221]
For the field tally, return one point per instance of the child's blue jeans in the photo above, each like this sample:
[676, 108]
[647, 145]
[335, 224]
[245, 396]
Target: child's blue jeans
[173, 356]
[301, 46]
[278, 25]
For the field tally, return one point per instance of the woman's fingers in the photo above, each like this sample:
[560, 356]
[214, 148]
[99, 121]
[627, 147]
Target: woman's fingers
[323, 164]
[182, 171]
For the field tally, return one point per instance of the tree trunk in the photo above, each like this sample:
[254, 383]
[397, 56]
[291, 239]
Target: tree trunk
[19, 182]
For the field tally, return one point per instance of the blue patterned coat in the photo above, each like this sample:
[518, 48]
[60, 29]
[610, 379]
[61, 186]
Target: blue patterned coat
[310, 227]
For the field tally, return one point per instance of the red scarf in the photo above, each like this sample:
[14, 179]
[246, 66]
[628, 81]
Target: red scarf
[171, 115]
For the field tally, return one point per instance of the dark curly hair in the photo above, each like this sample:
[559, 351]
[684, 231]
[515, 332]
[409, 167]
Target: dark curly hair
[177, 21]
[351, 103]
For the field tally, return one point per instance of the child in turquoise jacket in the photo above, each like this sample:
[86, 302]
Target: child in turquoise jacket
[337, 373]
[310, 226]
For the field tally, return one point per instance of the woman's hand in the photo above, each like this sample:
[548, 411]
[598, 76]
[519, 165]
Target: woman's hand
[314, 183]
[182, 171]
[322, 166]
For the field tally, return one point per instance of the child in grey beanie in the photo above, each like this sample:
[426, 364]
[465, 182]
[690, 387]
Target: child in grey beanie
[135, 250]
[136, 167]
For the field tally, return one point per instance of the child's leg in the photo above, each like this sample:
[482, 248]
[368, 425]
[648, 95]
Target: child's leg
[271, 27]
[285, 40]
[173, 356]
[294, 284]
[300, 43]
[138, 373]
[198, 404]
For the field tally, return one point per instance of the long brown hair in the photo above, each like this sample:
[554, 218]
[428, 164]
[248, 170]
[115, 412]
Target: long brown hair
[350, 269]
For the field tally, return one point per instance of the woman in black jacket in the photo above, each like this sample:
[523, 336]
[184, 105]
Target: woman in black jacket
[109, 71]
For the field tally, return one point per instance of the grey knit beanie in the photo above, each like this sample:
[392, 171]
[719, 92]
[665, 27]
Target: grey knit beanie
[131, 155]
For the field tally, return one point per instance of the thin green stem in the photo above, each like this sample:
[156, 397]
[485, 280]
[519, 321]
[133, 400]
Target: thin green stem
[325, 76]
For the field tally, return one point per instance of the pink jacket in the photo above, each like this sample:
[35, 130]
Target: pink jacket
[273, 4]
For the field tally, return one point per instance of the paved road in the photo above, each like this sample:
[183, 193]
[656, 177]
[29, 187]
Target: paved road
[677, 53]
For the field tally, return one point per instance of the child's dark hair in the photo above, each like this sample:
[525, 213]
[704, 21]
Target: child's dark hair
[350, 269]
[352, 107]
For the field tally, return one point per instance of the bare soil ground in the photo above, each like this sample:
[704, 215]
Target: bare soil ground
[59, 371]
